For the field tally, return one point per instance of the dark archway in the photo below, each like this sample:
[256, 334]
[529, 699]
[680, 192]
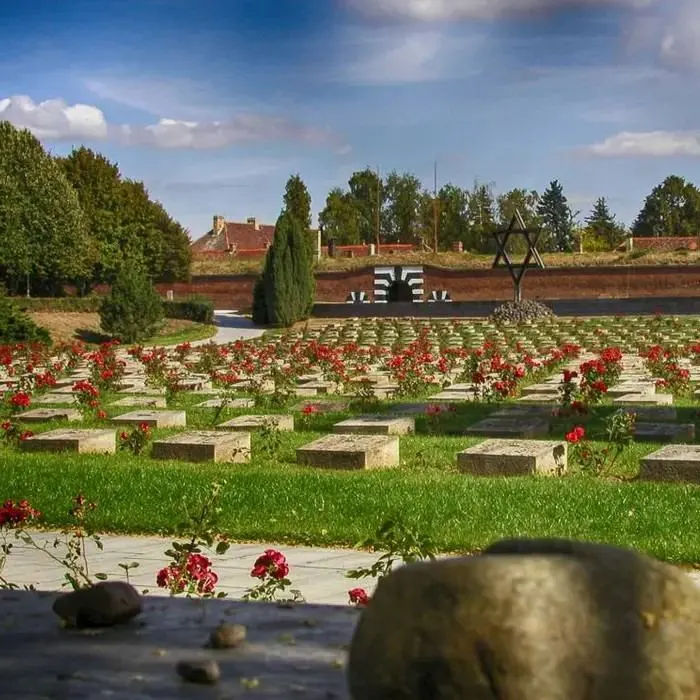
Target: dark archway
[400, 290]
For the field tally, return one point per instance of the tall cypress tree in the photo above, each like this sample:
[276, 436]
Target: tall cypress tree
[557, 218]
[287, 280]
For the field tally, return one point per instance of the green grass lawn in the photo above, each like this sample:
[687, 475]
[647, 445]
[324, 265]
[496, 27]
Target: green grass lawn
[195, 331]
[271, 499]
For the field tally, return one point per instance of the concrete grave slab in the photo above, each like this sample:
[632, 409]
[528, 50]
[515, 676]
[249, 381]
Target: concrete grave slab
[52, 399]
[204, 446]
[624, 388]
[551, 397]
[514, 458]
[376, 425]
[654, 414]
[539, 389]
[510, 426]
[526, 410]
[231, 403]
[672, 463]
[644, 400]
[453, 396]
[143, 389]
[664, 432]
[82, 441]
[254, 422]
[42, 415]
[351, 452]
[155, 419]
[145, 401]
[323, 406]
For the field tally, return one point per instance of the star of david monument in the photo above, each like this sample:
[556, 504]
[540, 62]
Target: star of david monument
[532, 257]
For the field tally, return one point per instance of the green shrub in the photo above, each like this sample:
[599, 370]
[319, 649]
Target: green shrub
[194, 309]
[133, 310]
[17, 327]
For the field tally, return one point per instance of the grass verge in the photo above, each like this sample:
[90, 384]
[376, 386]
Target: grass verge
[271, 499]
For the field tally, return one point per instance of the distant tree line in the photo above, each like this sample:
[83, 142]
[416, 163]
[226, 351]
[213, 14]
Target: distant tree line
[77, 220]
[399, 209]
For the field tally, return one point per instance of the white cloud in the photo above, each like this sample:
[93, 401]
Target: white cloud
[441, 10]
[680, 41]
[54, 120]
[392, 59]
[654, 144]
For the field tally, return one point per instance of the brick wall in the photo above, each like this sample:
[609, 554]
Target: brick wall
[666, 243]
[235, 291]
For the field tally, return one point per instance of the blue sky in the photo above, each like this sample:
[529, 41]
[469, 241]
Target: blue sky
[213, 104]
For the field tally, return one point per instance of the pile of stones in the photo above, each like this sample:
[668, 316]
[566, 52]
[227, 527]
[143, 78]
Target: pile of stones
[520, 311]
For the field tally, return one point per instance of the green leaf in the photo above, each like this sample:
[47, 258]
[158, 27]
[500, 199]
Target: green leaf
[101, 577]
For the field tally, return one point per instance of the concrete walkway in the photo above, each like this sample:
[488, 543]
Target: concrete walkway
[231, 326]
[318, 573]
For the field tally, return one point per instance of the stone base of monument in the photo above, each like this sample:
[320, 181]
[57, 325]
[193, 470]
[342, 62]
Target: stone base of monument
[252, 422]
[67, 440]
[514, 458]
[376, 425]
[204, 446]
[154, 419]
[44, 415]
[672, 463]
[351, 452]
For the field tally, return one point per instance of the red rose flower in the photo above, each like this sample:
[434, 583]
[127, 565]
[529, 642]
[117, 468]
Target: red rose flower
[20, 399]
[270, 563]
[359, 597]
[575, 435]
[25, 435]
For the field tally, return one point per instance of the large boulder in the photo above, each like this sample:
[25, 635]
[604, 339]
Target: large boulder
[531, 620]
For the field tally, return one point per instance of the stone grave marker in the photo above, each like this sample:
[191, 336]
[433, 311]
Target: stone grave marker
[624, 388]
[512, 426]
[351, 452]
[323, 406]
[204, 446]
[449, 395]
[376, 425]
[42, 415]
[143, 389]
[52, 399]
[672, 463]
[255, 422]
[644, 400]
[664, 432]
[155, 419]
[654, 414]
[231, 403]
[514, 458]
[82, 441]
[551, 397]
[145, 401]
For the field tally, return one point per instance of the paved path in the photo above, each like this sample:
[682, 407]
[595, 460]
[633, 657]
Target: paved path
[318, 572]
[232, 326]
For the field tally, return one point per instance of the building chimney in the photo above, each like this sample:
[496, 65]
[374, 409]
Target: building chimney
[253, 220]
[218, 225]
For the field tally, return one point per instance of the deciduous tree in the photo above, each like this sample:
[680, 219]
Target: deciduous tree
[672, 209]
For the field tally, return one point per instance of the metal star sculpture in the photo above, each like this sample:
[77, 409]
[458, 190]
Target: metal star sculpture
[517, 270]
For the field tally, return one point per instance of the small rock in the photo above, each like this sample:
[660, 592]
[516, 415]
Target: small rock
[199, 671]
[227, 636]
[102, 605]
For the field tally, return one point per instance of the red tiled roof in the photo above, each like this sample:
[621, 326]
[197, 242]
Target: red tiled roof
[239, 236]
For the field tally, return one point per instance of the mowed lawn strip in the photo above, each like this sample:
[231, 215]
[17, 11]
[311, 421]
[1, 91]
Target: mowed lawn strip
[274, 500]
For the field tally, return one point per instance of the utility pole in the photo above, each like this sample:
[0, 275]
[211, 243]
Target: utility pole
[435, 212]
